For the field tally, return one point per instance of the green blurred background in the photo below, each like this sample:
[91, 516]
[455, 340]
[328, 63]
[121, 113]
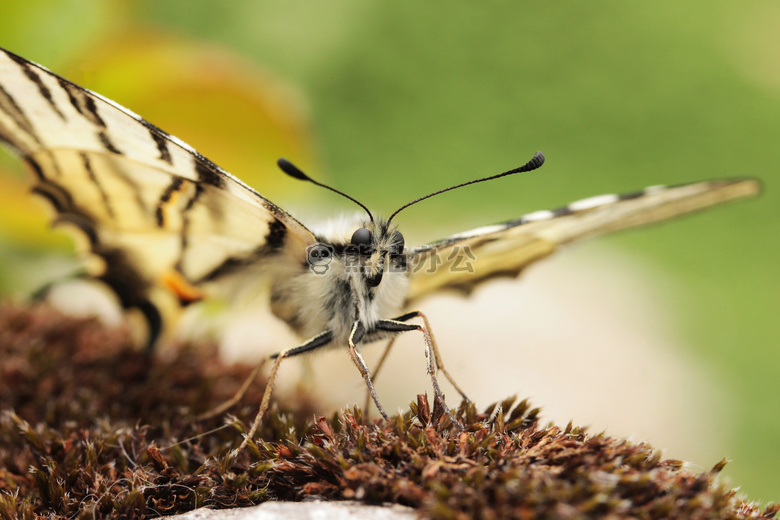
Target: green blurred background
[390, 100]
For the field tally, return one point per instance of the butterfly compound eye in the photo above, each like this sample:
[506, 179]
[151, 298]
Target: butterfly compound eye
[397, 247]
[362, 240]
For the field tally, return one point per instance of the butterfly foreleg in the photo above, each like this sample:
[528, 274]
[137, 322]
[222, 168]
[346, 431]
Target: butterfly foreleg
[431, 352]
[375, 372]
[313, 343]
[435, 348]
[355, 336]
[227, 405]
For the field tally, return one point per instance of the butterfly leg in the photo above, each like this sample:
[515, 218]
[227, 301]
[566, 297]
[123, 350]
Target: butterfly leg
[355, 335]
[375, 373]
[431, 351]
[313, 343]
[227, 405]
[435, 347]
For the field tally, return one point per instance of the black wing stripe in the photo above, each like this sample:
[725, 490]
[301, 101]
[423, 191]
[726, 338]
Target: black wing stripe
[9, 105]
[196, 196]
[82, 103]
[33, 76]
[162, 145]
[232, 264]
[172, 188]
[5, 142]
[85, 105]
[96, 181]
[91, 109]
[132, 185]
[70, 91]
[83, 222]
[67, 211]
[637, 194]
[35, 168]
[57, 197]
[154, 321]
[185, 226]
[184, 243]
[130, 286]
[274, 240]
[107, 143]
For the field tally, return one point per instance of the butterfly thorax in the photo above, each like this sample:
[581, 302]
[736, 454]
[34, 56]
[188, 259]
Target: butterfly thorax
[348, 276]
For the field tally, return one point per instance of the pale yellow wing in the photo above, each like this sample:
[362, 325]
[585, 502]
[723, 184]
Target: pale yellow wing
[166, 223]
[464, 260]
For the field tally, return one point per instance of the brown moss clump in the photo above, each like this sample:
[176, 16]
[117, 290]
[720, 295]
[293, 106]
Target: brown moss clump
[91, 428]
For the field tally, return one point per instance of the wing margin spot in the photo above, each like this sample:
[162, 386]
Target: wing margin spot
[277, 232]
[207, 173]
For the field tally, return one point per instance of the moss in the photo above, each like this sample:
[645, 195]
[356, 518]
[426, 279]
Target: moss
[92, 428]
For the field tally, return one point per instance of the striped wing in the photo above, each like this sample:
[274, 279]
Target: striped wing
[167, 222]
[464, 260]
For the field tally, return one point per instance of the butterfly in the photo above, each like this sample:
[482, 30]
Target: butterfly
[169, 228]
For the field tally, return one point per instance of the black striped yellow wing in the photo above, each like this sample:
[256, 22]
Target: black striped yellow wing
[464, 260]
[166, 222]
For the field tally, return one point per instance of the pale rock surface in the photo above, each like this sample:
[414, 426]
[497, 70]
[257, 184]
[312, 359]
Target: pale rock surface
[314, 510]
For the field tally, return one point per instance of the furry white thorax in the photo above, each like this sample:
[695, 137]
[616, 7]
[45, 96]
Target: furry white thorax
[332, 300]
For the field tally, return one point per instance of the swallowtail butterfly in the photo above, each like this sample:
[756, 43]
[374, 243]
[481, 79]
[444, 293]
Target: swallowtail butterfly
[170, 227]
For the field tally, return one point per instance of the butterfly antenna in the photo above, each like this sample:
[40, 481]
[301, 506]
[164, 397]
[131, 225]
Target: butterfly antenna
[294, 172]
[534, 163]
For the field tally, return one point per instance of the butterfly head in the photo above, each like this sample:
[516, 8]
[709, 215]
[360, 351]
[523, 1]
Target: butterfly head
[357, 249]
[372, 248]
[375, 247]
